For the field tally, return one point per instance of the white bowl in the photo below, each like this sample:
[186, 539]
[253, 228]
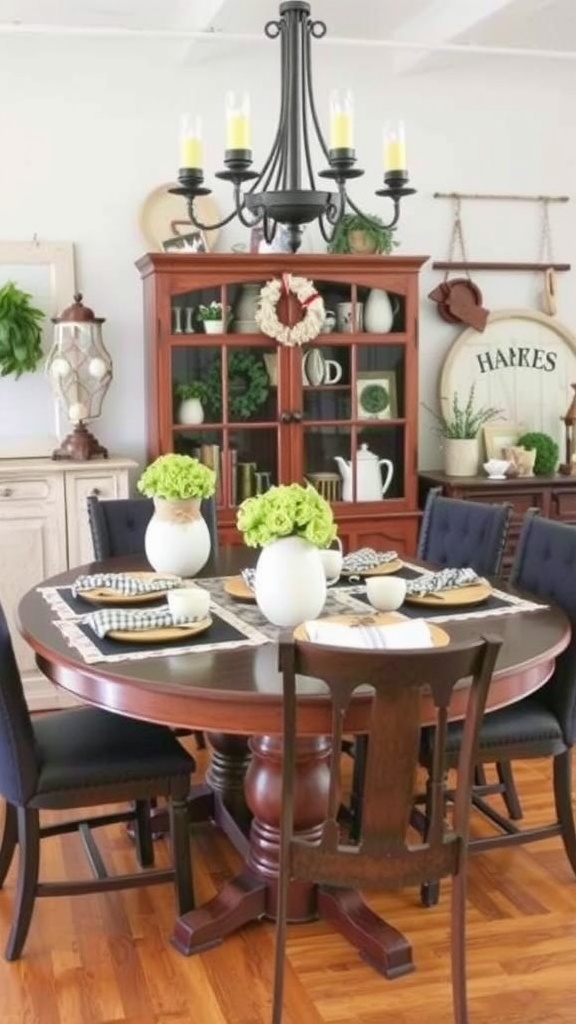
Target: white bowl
[386, 593]
[189, 603]
[496, 468]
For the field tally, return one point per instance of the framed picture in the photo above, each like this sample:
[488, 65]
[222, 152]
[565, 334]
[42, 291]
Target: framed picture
[501, 435]
[376, 397]
[193, 241]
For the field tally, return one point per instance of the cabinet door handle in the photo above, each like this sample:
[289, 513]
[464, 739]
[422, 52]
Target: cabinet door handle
[297, 417]
[6, 492]
[95, 492]
[286, 417]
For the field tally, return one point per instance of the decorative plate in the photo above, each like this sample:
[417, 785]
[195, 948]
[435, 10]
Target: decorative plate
[474, 593]
[160, 633]
[236, 587]
[438, 635]
[163, 216]
[105, 595]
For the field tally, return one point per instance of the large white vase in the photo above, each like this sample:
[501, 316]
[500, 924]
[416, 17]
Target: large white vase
[379, 311]
[461, 456]
[290, 583]
[177, 538]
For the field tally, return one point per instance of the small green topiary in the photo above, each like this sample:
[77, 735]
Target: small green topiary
[547, 451]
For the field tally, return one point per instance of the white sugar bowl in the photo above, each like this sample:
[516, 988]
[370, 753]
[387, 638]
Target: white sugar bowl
[496, 468]
[188, 603]
[386, 593]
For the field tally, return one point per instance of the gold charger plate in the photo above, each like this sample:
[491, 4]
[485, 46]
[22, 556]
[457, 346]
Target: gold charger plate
[236, 587]
[376, 570]
[439, 636]
[105, 595]
[474, 593]
[160, 633]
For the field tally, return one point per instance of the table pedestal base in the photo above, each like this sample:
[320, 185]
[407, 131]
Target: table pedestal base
[252, 894]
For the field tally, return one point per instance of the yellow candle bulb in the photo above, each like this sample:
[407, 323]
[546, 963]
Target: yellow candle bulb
[237, 122]
[341, 122]
[191, 154]
[394, 154]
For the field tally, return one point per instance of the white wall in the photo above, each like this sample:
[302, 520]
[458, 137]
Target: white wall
[90, 126]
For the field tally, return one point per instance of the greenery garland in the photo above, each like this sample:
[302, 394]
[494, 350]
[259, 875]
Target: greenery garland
[248, 385]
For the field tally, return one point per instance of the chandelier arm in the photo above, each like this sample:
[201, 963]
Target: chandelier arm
[269, 231]
[369, 220]
[208, 227]
[262, 183]
[311, 101]
[306, 94]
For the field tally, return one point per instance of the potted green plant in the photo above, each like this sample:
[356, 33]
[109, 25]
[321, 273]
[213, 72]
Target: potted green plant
[546, 448]
[214, 316]
[290, 523]
[357, 234]
[191, 398]
[459, 428]
[177, 538]
[20, 332]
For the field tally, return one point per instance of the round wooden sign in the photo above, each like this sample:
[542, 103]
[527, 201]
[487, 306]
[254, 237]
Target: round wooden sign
[522, 363]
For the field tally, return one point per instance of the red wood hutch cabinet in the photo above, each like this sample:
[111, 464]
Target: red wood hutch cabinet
[272, 415]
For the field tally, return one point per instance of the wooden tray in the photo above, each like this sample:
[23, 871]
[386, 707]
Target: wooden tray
[105, 595]
[377, 570]
[438, 635]
[474, 593]
[236, 587]
[160, 633]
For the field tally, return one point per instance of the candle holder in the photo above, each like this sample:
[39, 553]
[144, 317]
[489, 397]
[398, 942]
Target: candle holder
[568, 468]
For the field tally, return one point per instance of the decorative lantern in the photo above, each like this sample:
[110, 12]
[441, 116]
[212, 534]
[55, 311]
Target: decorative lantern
[80, 371]
[569, 420]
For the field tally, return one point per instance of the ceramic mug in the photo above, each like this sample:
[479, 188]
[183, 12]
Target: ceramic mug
[385, 593]
[344, 317]
[332, 560]
[188, 603]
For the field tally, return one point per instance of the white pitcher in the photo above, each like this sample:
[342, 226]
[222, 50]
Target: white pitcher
[369, 483]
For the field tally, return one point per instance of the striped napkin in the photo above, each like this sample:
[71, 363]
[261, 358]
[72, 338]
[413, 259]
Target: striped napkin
[108, 620]
[123, 583]
[249, 577]
[412, 634]
[367, 558]
[446, 579]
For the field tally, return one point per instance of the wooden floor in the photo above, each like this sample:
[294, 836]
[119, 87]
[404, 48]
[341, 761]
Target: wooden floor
[107, 960]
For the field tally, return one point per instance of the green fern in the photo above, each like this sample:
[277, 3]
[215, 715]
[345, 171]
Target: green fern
[20, 332]
[464, 421]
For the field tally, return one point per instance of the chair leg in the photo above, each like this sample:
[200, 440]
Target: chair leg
[563, 802]
[29, 843]
[509, 791]
[9, 840]
[181, 859]
[200, 739]
[143, 833]
[429, 891]
[458, 946]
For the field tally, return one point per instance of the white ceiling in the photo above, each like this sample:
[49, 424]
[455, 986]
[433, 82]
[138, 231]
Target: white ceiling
[547, 26]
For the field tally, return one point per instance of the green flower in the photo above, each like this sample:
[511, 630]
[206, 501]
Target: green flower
[289, 510]
[177, 476]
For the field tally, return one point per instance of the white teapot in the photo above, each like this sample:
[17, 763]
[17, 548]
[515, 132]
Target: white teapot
[369, 485]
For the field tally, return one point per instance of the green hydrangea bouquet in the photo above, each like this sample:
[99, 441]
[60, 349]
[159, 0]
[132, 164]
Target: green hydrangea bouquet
[289, 510]
[177, 476]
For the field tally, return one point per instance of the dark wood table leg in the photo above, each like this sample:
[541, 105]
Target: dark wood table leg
[253, 893]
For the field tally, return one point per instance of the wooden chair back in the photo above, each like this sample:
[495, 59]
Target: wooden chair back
[384, 858]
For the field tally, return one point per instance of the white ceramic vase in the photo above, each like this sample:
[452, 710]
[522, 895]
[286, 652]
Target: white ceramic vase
[177, 537]
[290, 583]
[379, 312]
[461, 456]
[190, 411]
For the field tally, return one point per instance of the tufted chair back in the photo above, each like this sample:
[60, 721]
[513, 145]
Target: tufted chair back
[459, 533]
[118, 526]
[545, 564]
[18, 767]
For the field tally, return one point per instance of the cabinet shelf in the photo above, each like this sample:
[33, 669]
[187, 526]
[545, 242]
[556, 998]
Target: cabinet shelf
[294, 431]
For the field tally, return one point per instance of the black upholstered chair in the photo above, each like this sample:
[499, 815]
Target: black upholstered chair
[77, 759]
[543, 724]
[458, 534]
[118, 525]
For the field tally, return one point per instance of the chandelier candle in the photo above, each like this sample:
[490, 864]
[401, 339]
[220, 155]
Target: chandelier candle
[191, 142]
[286, 191]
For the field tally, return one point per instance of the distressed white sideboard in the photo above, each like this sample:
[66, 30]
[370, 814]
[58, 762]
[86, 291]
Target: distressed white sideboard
[44, 530]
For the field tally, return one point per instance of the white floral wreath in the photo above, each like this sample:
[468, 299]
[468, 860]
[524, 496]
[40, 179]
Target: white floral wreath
[312, 304]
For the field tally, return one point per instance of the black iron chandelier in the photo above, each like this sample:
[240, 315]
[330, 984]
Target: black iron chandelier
[284, 191]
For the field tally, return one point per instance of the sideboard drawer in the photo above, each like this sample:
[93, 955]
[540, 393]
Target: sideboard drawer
[36, 489]
[563, 505]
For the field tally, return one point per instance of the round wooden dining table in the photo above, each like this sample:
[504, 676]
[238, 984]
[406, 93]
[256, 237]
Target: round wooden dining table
[236, 697]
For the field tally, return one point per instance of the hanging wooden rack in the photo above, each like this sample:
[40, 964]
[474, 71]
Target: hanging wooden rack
[500, 265]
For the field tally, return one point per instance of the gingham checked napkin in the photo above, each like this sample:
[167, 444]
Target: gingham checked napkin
[412, 634]
[249, 577]
[108, 620]
[446, 579]
[123, 583]
[367, 558]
